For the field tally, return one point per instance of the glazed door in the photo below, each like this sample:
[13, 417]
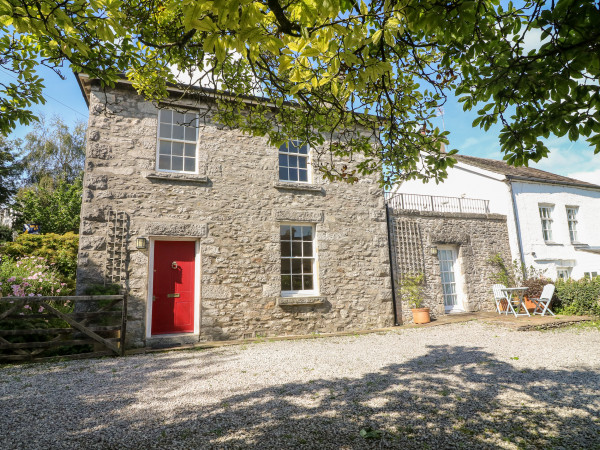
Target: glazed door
[173, 287]
[451, 282]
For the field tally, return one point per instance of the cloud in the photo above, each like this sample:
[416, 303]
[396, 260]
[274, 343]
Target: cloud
[567, 158]
[590, 177]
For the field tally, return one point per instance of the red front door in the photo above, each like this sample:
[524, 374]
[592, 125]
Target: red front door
[173, 287]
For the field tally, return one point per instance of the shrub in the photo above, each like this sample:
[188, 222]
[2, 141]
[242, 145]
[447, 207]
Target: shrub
[578, 296]
[101, 289]
[54, 205]
[29, 276]
[60, 250]
[535, 286]
[516, 274]
[411, 289]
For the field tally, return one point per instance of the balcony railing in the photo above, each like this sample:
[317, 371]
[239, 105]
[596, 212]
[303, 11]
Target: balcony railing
[433, 203]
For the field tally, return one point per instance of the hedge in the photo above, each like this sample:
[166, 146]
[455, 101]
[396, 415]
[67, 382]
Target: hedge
[578, 296]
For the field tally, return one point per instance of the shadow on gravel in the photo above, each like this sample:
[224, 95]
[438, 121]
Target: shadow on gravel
[451, 397]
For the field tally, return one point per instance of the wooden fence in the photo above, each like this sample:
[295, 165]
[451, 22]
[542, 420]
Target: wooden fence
[38, 328]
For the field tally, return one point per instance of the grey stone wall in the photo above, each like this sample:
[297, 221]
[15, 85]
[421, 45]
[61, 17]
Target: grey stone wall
[234, 206]
[477, 236]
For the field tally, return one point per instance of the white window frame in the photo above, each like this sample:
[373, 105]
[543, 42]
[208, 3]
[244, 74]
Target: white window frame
[546, 219]
[590, 275]
[184, 141]
[298, 155]
[565, 271]
[315, 262]
[572, 212]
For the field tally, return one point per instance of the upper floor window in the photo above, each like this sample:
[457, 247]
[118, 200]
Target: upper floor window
[177, 137]
[572, 222]
[298, 259]
[546, 218]
[293, 162]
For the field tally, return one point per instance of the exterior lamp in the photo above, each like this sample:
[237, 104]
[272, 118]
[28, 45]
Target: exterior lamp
[433, 250]
[140, 243]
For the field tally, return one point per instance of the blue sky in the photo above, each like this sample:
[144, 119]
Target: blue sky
[567, 158]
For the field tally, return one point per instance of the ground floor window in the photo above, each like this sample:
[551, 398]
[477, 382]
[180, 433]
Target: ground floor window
[590, 275]
[563, 273]
[298, 259]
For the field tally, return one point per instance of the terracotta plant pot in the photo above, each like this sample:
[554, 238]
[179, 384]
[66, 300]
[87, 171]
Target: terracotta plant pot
[528, 303]
[503, 305]
[421, 315]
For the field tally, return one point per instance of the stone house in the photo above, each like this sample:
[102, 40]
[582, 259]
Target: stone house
[216, 235]
[450, 241]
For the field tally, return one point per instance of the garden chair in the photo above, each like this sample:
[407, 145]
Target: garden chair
[542, 304]
[500, 296]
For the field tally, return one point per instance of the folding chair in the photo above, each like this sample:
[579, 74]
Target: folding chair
[542, 304]
[500, 296]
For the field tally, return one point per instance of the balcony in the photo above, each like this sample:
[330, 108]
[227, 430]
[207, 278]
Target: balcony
[431, 203]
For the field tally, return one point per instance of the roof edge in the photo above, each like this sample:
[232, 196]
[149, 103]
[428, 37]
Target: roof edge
[583, 184]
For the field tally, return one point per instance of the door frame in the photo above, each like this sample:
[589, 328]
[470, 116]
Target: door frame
[459, 281]
[150, 286]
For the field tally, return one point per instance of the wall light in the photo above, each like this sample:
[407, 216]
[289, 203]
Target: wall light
[140, 243]
[433, 250]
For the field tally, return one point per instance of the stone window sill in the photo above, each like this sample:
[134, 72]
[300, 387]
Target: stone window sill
[180, 177]
[297, 186]
[300, 301]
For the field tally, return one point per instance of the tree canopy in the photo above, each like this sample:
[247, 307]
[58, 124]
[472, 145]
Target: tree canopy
[10, 170]
[53, 149]
[346, 76]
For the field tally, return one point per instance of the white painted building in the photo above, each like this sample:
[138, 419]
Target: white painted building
[552, 220]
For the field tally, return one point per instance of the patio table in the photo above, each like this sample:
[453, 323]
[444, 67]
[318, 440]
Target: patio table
[519, 292]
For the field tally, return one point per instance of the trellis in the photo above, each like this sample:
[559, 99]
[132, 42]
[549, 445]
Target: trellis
[407, 247]
[116, 247]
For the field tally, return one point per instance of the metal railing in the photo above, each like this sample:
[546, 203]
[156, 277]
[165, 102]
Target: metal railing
[416, 202]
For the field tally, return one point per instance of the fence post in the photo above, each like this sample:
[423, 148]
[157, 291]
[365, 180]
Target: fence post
[123, 324]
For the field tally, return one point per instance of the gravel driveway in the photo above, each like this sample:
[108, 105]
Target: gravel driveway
[462, 385]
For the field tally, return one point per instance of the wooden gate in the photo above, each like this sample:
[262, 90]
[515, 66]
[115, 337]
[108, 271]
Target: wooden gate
[38, 328]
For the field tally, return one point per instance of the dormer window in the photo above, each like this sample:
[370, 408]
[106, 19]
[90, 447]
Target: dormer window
[294, 162]
[177, 139]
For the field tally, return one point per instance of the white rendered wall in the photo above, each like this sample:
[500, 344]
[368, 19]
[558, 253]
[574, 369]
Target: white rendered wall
[561, 253]
[472, 182]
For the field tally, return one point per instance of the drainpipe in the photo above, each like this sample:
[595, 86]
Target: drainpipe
[387, 221]
[517, 225]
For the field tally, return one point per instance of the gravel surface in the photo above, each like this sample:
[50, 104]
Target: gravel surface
[463, 385]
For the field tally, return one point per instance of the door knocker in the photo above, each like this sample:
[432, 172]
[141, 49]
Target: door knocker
[174, 265]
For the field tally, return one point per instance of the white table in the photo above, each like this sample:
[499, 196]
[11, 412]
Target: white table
[519, 292]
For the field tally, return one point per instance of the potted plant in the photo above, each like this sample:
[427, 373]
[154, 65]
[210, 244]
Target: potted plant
[411, 289]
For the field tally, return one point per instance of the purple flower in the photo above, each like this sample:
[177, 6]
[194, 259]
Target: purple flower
[31, 295]
[41, 309]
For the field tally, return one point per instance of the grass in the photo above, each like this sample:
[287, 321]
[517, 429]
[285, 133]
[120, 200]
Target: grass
[579, 326]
